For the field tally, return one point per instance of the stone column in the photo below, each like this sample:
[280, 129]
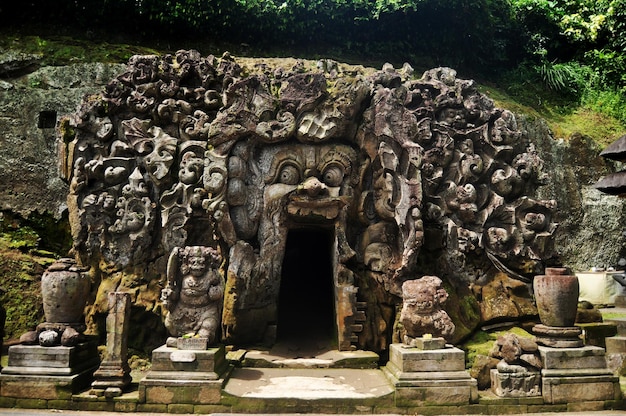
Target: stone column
[113, 376]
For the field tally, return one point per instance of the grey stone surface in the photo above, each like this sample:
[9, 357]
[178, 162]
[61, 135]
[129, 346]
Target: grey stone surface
[576, 375]
[29, 176]
[59, 360]
[430, 377]
[167, 359]
[575, 166]
[283, 356]
[616, 344]
[44, 387]
[588, 357]
[113, 375]
[412, 359]
[526, 384]
[308, 383]
[579, 389]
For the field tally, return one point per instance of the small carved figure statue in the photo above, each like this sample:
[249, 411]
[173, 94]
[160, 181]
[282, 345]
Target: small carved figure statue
[421, 309]
[194, 292]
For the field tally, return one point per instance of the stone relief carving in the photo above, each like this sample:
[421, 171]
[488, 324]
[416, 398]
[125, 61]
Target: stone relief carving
[411, 176]
[194, 292]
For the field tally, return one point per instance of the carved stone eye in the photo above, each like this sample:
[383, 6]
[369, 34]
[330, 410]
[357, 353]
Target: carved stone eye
[289, 175]
[333, 176]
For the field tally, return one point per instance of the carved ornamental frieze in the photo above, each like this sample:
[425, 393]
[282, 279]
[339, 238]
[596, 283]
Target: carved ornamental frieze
[410, 176]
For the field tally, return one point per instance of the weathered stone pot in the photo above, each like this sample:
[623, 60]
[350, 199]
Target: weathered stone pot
[64, 288]
[556, 294]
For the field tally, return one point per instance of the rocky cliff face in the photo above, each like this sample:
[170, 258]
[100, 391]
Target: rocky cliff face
[33, 100]
[591, 224]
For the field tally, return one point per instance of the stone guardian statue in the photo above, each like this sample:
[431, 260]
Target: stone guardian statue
[422, 313]
[194, 292]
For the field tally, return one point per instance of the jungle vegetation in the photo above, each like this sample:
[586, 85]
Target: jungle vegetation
[572, 51]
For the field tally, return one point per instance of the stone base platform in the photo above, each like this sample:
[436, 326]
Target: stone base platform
[430, 377]
[48, 373]
[45, 387]
[54, 361]
[185, 376]
[572, 375]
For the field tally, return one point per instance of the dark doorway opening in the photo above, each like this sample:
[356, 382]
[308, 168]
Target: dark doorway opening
[306, 305]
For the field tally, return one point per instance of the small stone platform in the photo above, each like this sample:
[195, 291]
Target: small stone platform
[430, 377]
[49, 373]
[577, 374]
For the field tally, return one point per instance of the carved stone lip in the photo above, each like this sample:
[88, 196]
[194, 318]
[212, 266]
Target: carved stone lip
[325, 208]
[613, 183]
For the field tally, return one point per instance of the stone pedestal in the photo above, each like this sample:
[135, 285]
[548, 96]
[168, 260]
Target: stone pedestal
[558, 336]
[425, 377]
[185, 376]
[113, 375]
[577, 375]
[40, 372]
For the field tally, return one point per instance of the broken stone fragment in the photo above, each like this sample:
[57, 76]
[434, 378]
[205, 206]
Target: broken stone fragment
[70, 337]
[532, 360]
[29, 338]
[49, 338]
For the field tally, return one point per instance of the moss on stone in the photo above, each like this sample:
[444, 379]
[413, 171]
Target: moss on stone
[481, 342]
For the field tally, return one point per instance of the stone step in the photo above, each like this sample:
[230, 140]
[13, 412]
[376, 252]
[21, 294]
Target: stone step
[616, 344]
[301, 390]
[620, 323]
[277, 358]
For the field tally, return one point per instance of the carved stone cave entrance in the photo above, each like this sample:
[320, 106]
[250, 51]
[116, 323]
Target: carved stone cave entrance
[306, 304]
[337, 174]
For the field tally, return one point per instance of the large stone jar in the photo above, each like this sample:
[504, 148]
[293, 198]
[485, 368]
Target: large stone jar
[556, 294]
[64, 288]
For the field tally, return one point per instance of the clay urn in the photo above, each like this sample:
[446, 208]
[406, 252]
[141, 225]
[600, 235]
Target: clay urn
[556, 294]
[64, 288]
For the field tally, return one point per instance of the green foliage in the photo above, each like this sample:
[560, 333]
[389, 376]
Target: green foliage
[570, 78]
[20, 297]
[607, 101]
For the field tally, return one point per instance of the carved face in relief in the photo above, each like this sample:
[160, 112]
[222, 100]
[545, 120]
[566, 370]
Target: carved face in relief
[315, 179]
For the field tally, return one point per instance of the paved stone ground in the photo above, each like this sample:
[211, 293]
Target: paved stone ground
[30, 412]
[308, 383]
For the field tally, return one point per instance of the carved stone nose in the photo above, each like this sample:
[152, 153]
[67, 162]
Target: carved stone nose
[313, 187]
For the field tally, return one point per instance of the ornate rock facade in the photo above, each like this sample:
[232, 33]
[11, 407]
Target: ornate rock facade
[391, 177]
